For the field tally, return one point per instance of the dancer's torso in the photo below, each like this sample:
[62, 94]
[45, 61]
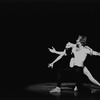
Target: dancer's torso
[79, 57]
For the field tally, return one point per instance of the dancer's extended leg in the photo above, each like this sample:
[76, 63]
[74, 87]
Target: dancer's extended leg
[89, 75]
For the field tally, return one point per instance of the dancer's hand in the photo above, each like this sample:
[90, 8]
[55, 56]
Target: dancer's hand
[50, 65]
[65, 53]
[52, 50]
[98, 54]
[67, 45]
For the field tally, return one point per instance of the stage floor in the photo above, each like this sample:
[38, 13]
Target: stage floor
[40, 91]
[66, 91]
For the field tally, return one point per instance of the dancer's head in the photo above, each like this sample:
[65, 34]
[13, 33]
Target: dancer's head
[81, 40]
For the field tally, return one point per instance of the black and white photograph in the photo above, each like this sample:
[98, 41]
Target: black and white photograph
[50, 50]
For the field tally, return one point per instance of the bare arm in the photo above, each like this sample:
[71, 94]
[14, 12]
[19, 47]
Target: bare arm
[56, 52]
[96, 53]
[57, 59]
[68, 45]
[92, 52]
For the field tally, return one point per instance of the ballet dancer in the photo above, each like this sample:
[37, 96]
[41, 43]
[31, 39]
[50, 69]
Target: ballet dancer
[80, 52]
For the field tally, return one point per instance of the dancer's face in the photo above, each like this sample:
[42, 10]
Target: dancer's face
[78, 43]
[81, 41]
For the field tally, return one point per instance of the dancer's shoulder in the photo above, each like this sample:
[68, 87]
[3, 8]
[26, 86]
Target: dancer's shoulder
[87, 47]
[88, 50]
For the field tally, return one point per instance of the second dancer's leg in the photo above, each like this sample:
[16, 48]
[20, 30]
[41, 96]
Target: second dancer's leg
[89, 75]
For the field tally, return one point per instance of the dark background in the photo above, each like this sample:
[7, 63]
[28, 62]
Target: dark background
[30, 27]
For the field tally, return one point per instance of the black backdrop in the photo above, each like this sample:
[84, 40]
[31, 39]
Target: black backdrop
[31, 27]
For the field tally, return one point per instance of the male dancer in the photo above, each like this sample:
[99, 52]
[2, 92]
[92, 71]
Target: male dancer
[80, 51]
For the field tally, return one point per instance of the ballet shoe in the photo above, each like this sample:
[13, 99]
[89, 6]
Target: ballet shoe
[57, 89]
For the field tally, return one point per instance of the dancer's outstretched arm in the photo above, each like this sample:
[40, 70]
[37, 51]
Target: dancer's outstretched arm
[58, 58]
[92, 52]
[89, 75]
[96, 53]
[56, 52]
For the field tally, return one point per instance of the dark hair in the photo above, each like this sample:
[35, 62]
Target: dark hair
[82, 39]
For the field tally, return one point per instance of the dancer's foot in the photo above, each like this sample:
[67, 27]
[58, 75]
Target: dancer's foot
[93, 91]
[75, 89]
[57, 89]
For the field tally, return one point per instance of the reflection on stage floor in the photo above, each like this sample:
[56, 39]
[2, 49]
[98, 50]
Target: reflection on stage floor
[40, 91]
